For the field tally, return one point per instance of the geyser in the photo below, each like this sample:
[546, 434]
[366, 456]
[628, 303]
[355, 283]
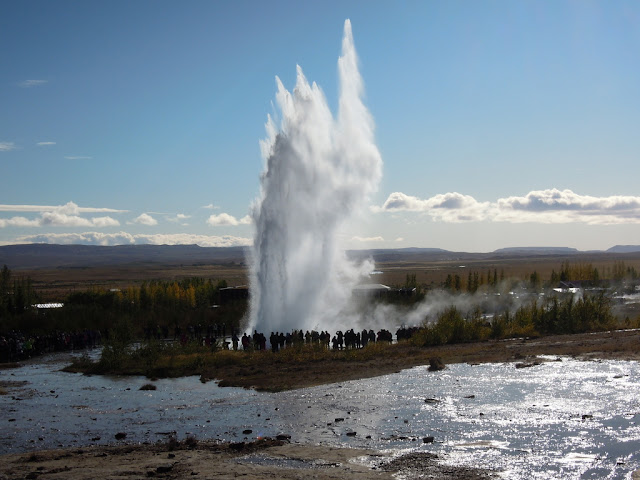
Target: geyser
[319, 171]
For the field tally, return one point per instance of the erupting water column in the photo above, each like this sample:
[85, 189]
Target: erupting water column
[319, 172]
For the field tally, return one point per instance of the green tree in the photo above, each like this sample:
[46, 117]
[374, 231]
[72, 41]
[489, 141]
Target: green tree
[410, 281]
[5, 285]
[534, 281]
[619, 271]
[564, 272]
[448, 283]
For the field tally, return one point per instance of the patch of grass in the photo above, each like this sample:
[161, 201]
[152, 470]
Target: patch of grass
[175, 360]
[299, 353]
[34, 457]
[308, 365]
[79, 364]
[225, 358]
[371, 351]
[190, 442]
[172, 443]
[5, 366]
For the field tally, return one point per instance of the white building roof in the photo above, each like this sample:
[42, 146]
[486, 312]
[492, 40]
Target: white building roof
[49, 305]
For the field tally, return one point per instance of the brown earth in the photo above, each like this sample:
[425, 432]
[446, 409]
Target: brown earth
[206, 460]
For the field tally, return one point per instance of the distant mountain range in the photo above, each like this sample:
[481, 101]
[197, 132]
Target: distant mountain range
[73, 256]
[624, 249]
[539, 250]
[32, 256]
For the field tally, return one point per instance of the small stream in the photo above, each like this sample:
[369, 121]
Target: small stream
[560, 419]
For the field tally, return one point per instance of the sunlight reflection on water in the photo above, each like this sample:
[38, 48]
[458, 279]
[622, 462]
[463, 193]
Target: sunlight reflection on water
[560, 419]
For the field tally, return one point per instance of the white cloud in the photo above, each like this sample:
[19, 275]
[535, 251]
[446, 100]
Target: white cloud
[211, 206]
[124, 238]
[224, 219]
[192, 239]
[541, 206]
[7, 146]
[367, 239]
[78, 157]
[180, 218]
[450, 207]
[145, 219]
[67, 215]
[32, 83]
[102, 222]
[61, 219]
[565, 206]
[69, 208]
[18, 222]
[87, 238]
[45, 144]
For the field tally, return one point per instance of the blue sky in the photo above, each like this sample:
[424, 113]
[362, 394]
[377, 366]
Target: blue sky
[500, 123]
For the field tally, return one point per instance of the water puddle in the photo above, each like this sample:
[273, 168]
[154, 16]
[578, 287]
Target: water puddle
[560, 419]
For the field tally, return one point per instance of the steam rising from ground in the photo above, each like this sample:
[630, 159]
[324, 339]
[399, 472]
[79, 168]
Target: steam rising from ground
[378, 315]
[319, 171]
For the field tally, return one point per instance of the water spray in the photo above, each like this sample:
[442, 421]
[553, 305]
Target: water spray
[319, 172]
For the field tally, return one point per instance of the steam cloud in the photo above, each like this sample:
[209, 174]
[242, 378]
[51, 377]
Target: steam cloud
[319, 172]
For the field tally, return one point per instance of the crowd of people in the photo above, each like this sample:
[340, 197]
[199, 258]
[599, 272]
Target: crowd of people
[349, 339]
[208, 334]
[16, 346]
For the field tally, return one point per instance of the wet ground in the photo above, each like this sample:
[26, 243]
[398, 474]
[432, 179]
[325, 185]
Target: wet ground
[559, 419]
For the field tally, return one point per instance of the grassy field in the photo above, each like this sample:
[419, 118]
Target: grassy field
[435, 272]
[55, 283]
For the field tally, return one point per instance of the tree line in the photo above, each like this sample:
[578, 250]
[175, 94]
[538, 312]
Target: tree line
[17, 295]
[585, 273]
[190, 301]
[590, 313]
